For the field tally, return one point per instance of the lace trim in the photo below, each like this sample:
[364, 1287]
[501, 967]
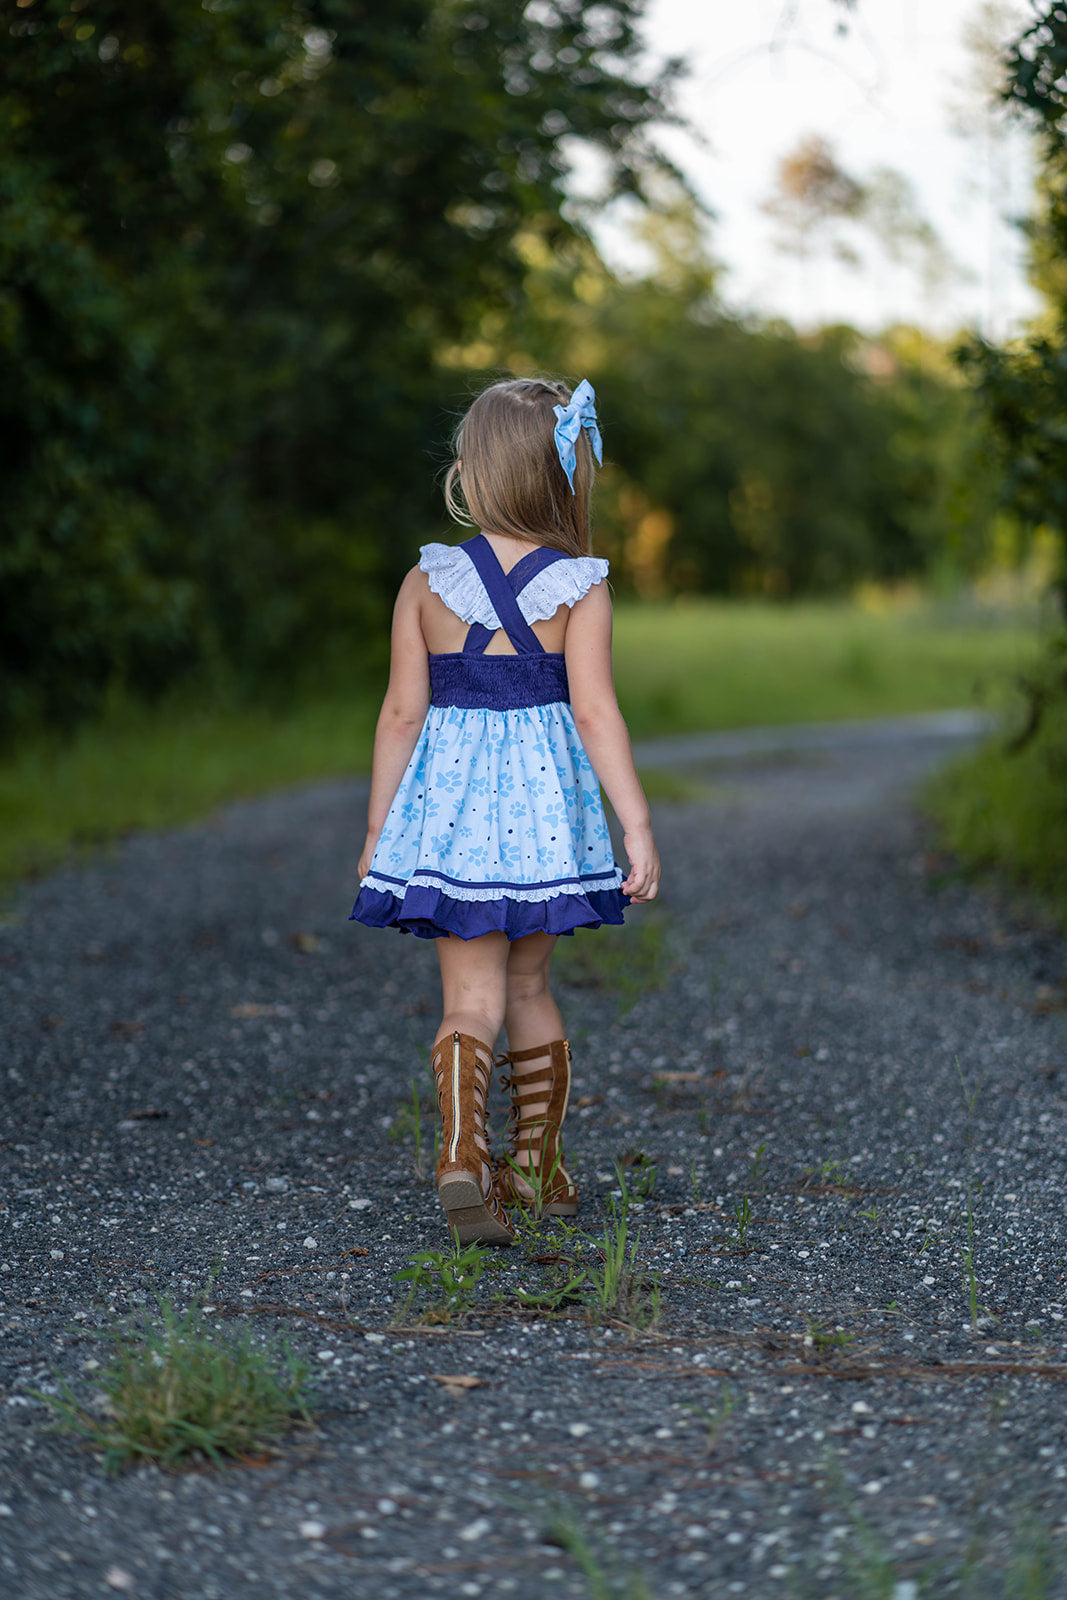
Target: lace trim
[453, 578]
[493, 891]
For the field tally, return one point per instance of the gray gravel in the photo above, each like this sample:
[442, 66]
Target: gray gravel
[204, 1068]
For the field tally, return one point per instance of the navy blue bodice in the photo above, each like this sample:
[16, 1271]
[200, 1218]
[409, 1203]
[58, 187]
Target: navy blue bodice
[533, 676]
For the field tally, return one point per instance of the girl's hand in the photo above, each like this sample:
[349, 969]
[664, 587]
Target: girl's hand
[642, 884]
[365, 856]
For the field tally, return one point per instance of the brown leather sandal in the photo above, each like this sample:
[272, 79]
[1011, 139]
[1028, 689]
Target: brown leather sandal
[533, 1140]
[462, 1067]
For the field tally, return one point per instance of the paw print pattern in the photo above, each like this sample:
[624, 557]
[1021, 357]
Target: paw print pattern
[499, 797]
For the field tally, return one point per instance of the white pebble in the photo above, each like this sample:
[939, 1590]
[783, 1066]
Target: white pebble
[325, 1355]
[579, 1429]
[57, 1255]
[6, 1511]
[374, 1338]
[313, 1530]
[387, 1507]
[589, 1480]
[475, 1530]
[310, 1243]
[118, 1578]
[861, 1408]
[874, 1487]
[359, 1205]
[928, 1279]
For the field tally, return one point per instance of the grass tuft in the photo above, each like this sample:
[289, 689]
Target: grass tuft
[178, 1395]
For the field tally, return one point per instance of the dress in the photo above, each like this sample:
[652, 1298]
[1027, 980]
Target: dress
[497, 823]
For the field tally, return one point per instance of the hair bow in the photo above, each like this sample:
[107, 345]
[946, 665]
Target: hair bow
[581, 413]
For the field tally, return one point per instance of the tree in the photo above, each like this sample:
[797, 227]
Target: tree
[234, 238]
[1025, 383]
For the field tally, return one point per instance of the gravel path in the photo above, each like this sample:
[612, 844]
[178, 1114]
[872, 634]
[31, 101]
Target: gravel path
[205, 1069]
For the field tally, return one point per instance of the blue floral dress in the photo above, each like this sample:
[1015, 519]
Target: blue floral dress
[497, 823]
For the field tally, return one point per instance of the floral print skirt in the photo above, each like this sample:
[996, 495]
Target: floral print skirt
[497, 825]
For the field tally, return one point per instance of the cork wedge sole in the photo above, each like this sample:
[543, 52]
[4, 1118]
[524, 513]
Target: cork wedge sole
[466, 1212]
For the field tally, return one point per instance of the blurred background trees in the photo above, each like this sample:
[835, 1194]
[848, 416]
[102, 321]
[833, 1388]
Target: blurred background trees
[235, 238]
[254, 258]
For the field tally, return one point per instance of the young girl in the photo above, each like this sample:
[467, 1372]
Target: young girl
[485, 829]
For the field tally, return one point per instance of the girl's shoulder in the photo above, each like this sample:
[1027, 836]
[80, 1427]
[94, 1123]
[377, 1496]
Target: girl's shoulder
[453, 576]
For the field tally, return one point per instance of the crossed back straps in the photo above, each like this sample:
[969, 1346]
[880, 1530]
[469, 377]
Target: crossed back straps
[503, 589]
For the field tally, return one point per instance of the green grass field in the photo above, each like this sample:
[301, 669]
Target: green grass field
[680, 668]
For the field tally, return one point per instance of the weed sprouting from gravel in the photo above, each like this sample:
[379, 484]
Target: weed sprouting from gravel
[822, 1339]
[176, 1394]
[623, 1290]
[408, 1125]
[715, 1418]
[448, 1277]
[743, 1221]
[603, 1583]
[641, 1185]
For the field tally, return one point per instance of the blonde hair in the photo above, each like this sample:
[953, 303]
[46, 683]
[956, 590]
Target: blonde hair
[508, 469]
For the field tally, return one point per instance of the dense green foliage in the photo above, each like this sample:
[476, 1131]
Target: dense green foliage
[1025, 385]
[233, 238]
[1007, 806]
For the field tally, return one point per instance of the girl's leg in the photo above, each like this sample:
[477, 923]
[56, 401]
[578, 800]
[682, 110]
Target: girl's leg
[474, 982]
[531, 1015]
[539, 1058]
[474, 987]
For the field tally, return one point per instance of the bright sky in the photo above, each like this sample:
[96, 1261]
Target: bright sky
[766, 73]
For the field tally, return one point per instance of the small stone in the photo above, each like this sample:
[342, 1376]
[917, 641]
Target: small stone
[118, 1578]
[325, 1355]
[589, 1480]
[873, 1487]
[57, 1255]
[6, 1511]
[579, 1429]
[310, 1243]
[374, 1338]
[475, 1530]
[276, 1185]
[861, 1408]
[387, 1507]
[312, 1530]
[359, 1205]
[928, 1279]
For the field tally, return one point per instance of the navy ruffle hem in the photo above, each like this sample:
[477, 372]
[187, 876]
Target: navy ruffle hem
[432, 914]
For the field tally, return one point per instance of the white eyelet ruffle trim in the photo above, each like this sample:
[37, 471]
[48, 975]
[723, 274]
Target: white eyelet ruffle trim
[453, 576]
[493, 891]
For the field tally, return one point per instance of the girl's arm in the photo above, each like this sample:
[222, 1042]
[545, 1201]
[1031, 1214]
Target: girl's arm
[603, 733]
[403, 712]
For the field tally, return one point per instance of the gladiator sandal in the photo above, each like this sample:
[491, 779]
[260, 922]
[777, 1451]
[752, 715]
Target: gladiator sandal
[533, 1142]
[462, 1067]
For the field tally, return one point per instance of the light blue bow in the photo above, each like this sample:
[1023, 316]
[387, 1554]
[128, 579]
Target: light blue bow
[581, 413]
